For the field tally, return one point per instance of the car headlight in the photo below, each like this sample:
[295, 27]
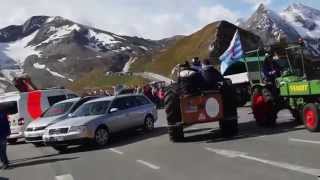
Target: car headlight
[79, 129]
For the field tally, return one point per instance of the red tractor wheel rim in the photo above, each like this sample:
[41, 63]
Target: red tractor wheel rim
[310, 118]
[260, 107]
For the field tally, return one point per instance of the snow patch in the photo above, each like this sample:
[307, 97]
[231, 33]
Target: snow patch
[60, 32]
[39, 66]
[126, 67]
[50, 19]
[144, 48]
[62, 59]
[19, 50]
[55, 73]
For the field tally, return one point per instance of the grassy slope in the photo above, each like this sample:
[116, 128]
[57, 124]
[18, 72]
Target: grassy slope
[185, 49]
[97, 79]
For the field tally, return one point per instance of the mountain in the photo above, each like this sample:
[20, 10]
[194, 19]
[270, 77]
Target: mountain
[296, 21]
[270, 26]
[55, 51]
[306, 21]
[209, 42]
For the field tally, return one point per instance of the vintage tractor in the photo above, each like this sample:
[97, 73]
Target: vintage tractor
[295, 90]
[187, 104]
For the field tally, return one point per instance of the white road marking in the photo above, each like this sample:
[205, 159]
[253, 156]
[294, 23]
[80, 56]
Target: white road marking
[64, 177]
[304, 141]
[116, 151]
[152, 166]
[283, 165]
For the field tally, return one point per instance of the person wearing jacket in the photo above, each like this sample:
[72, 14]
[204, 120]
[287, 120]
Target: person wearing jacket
[4, 133]
[271, 69]
[210, 75]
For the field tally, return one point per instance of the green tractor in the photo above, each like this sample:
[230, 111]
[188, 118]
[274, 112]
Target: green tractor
[295, 89]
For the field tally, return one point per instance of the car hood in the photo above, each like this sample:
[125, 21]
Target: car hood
[75, 121]
[44, 121]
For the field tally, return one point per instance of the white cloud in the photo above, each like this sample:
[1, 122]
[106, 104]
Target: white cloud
[215, 13]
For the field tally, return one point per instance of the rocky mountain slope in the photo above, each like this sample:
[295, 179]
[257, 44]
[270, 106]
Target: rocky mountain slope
[209, 42]
[55, 51]
[296, 21]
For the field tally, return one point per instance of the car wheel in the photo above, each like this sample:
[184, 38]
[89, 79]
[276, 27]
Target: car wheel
[61, 149]
[148, 124]
[101, 137]
[12, 141]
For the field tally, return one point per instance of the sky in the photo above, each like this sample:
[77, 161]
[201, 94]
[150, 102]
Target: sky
[152, 19]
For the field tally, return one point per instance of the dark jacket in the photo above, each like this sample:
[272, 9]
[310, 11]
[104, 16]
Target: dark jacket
[211, 76]
[4, 126]
[271, 70]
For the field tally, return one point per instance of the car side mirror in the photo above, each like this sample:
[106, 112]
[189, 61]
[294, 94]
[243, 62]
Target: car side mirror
[112, 110]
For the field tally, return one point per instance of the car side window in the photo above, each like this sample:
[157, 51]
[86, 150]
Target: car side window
[70, 96]
[119, 104]
[54, 99]
[141, 100]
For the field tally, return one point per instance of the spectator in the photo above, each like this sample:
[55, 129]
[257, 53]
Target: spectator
[161, 95]
[4, 133]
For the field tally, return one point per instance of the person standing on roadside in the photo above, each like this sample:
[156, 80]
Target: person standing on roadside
[4, 133]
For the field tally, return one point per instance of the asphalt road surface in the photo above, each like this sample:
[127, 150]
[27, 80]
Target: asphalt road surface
[287, 152]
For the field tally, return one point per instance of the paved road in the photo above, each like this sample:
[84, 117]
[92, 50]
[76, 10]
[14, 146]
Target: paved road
[287, 152]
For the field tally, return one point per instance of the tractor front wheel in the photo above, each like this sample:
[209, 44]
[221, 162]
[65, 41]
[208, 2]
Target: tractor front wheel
[311, 117]
[172, 108]
[263, 107]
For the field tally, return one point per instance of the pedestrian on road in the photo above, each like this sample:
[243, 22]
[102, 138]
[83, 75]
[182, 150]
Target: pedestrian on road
[4, 133]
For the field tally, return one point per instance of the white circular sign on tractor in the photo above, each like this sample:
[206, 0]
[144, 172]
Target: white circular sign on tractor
[212, 107]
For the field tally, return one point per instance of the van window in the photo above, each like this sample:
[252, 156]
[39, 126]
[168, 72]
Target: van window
[54, 99]
[9, 107]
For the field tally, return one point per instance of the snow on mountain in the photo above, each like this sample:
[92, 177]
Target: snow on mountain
[17, 50]
[59, 33]
[55, 50]
[306, 21]
[269, 26]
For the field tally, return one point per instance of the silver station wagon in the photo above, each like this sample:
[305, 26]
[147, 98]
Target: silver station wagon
[95, 120]
[58, 112]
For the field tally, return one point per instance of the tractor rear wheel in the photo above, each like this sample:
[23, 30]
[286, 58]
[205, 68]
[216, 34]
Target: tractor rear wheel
[311, 117]
[263, 107]
[173, 111]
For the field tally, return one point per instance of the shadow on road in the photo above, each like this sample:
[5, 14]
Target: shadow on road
[2, 178]
[32, 158]
[122, 139]
[38, 162]
[246, 130]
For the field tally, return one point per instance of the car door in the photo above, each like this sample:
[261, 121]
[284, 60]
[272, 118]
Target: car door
[134, 112]
[140, 110]
[118, 120]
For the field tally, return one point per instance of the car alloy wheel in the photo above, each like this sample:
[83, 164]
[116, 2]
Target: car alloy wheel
[102, 137]
[149, 123]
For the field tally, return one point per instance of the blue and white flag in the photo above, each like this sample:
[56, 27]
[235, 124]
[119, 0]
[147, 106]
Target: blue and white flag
[233, 54]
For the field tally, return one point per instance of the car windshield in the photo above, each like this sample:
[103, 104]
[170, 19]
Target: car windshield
[93, 108]
[58, 109]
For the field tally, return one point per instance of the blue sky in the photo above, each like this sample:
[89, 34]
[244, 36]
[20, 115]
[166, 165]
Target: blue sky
[153, 19]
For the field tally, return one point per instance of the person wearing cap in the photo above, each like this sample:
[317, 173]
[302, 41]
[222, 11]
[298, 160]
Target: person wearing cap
[271, 69]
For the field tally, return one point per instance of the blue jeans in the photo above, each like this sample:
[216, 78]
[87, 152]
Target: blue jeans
[3, 151]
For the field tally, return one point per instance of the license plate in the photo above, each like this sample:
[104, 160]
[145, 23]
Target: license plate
[35, 135]
[53, 139]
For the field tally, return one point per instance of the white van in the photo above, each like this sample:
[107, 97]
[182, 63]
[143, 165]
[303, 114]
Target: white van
[28, 106]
